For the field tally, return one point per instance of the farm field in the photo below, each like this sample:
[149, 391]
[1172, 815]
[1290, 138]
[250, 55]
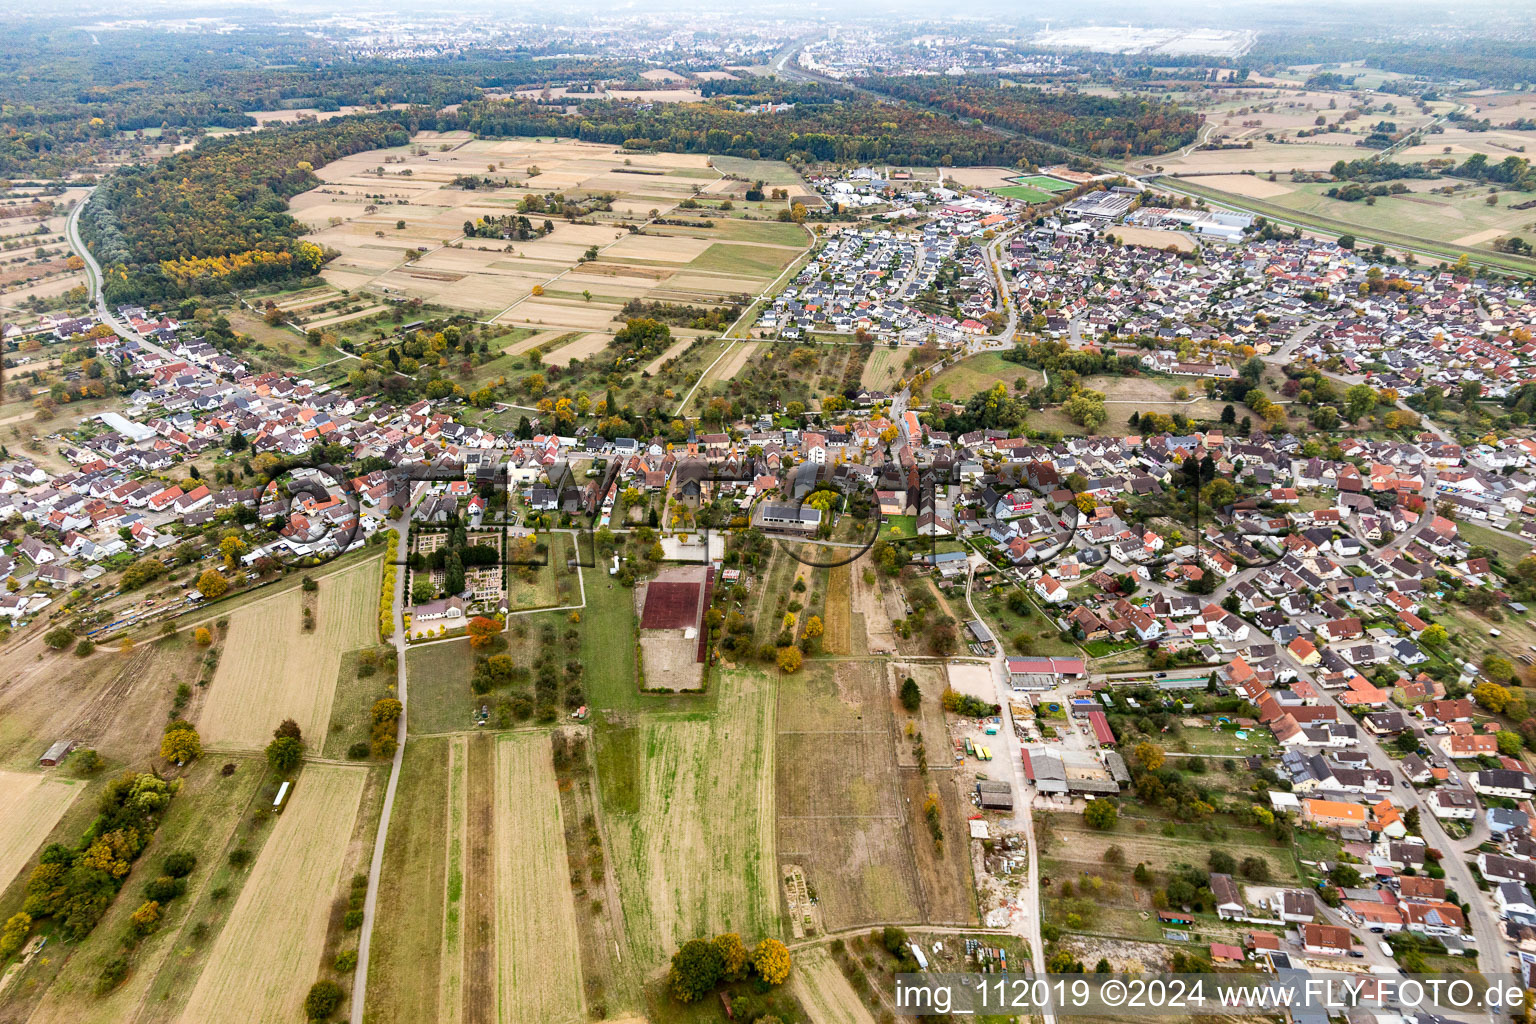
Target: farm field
[824, 992]
[538, 956]
[689, 802]
[355, 694]
[266, 956]
[1448, 225]
[400, 232]
[111, 702]
[30, 805]
[439, 687]
[1463, 219]
[1126, 395]
[201, 820]
[408, 953]
[259, 683]
[839, 797]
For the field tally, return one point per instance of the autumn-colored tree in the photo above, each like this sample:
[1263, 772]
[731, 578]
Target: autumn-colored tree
[146, 918]
[1148, 755]
[789, 659]
[733, 956]
[202, 636]
[231, 547]
[181, 743]
[1491, 696]
[15, 933]
[1434, 636]
[483, 631]
[771, 959]
[212, 584]
[386, 709]
[813, 626]
[284, 754]
[1100, 814]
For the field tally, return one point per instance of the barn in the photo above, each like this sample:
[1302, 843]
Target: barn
[994, 795]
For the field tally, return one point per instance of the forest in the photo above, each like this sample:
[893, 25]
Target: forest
[1107, 126]
[216, 216]
[830, 125]
[63, 106]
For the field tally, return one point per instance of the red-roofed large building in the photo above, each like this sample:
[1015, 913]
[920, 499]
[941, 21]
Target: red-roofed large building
[1102, 733]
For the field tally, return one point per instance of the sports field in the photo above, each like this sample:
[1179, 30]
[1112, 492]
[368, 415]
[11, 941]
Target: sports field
[1045, 183]
[266, 957]
[1025, 192]
[271, 669]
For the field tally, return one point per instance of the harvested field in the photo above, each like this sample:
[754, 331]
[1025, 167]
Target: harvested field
[539, 955]
[608, 983]
[110, 702]
[981, 177]
[260, 682]
[688, 801]
[30, 805]
[581, 348]
[943, 869]
[731, 365]
[1250, 185]
[1478, 237]
[201, 820]
[747, 260]
[265, 958]
[540, 340]
[498, 276]
[1083, 846]
[840, 811]
[825, 993]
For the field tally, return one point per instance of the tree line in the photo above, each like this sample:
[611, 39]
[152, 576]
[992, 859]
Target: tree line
[216, 217]
[1104, 125]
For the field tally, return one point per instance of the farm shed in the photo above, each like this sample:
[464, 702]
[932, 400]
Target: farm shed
[57, 752]
[1043, 673]
[995, 796]
[1117, 769]
[1046, 771]
[979, 631]
[1102, 733]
